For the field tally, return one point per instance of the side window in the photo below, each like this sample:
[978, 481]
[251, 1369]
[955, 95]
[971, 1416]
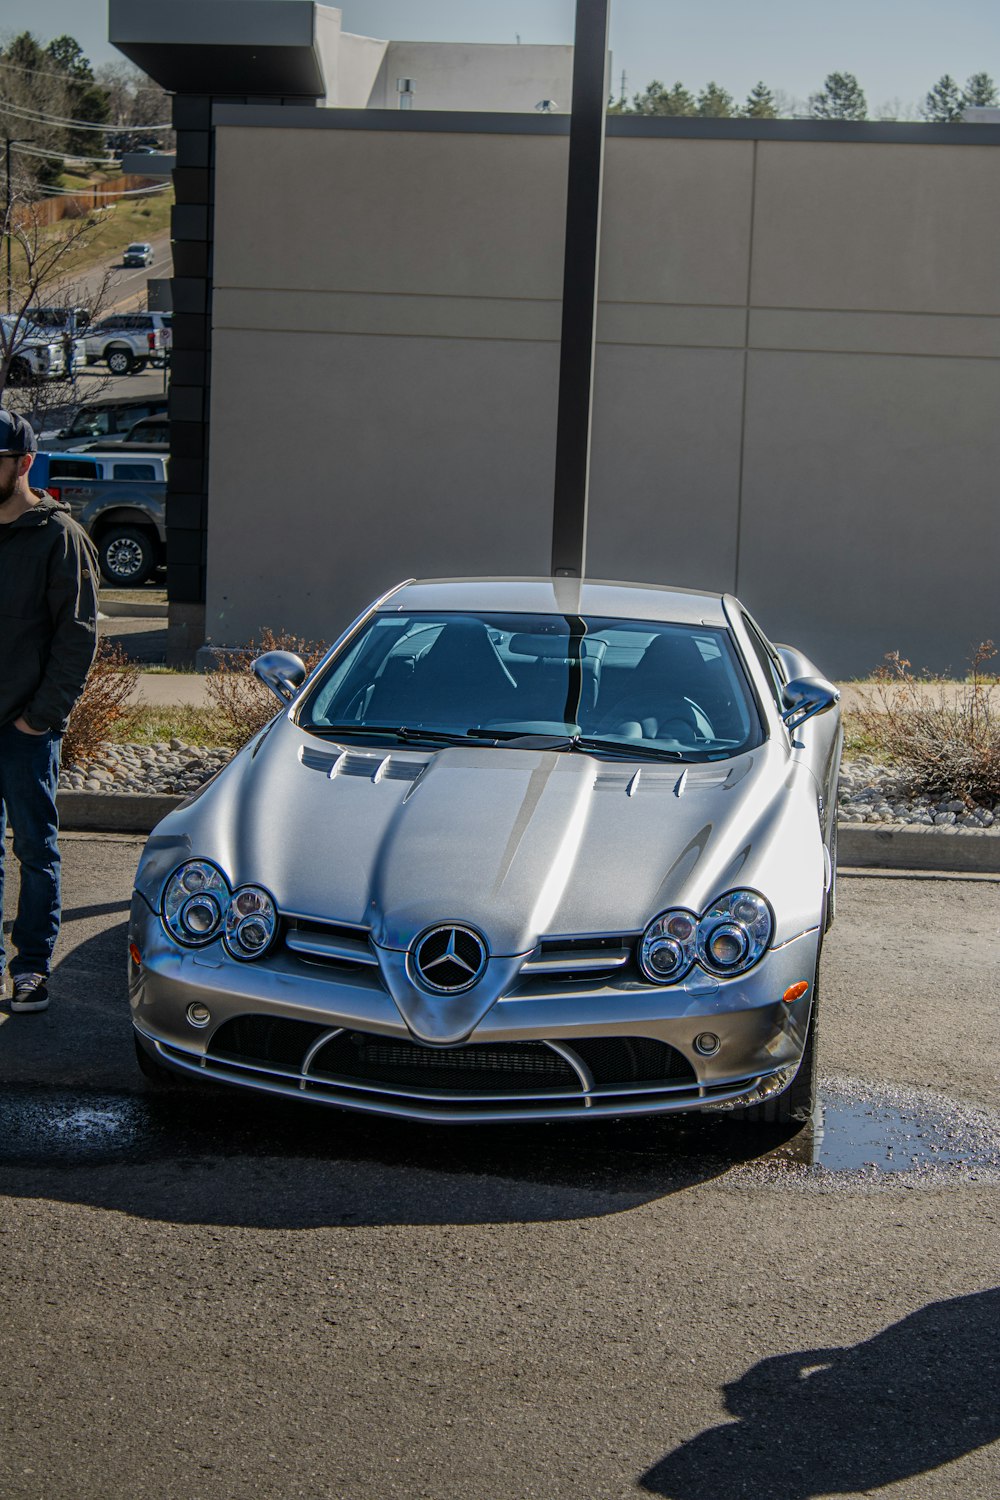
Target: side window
[137, 473]
[72, 468]
[767, 662]
[90, 423]
[125, 420]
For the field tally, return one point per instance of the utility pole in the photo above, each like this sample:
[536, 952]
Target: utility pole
[579, 309]
[8, 142]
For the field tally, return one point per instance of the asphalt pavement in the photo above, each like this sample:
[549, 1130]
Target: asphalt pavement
[208, 1297]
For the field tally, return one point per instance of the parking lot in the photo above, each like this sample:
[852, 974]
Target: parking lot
[212, 1297]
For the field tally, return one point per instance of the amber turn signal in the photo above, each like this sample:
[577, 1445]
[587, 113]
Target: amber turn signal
[135, 955]
[795, 991]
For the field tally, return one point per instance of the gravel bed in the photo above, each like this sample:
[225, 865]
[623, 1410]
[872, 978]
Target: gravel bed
[169, 766]
[869, 792]
[872, 793]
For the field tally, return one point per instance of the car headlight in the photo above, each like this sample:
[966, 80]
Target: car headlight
[728, 938]
[251, 922]
[734, 932]
[194, 903]
[669, 946]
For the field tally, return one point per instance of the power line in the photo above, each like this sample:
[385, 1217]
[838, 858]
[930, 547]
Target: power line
[39, 117]
[97, 161]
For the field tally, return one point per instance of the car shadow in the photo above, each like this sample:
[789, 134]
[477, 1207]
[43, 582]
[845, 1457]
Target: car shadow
[850, 1420]
[78, 1122]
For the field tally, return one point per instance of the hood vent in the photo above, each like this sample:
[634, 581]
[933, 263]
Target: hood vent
[372, 766]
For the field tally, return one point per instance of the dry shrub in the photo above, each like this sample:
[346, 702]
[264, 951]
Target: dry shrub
[106, 700]
[244, 705]
[943, 744]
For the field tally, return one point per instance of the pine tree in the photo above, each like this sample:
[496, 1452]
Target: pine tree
[86, 99]
[980, 92]
[656, 99]
[943, 102]
[841, 98]
[715, 103]
[760, 104]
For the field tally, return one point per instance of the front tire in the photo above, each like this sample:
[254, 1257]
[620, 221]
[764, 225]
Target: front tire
[127, 556]
[156, 1076]
[120, 361]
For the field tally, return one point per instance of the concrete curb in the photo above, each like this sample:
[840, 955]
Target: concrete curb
[915, 847]
[121, 609]
[885, 847]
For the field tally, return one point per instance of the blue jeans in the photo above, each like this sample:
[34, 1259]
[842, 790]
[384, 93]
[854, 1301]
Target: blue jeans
[29, 774]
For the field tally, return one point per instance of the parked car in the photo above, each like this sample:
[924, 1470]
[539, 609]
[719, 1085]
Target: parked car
[516, 850]
[120, 500]
[139, 253]
[128, 341]
[38, 353]
[110, 418]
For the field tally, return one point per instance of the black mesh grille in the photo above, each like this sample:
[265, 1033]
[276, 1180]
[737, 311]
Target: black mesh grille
[517, 1067]
[265, 1039]
[632, 1059]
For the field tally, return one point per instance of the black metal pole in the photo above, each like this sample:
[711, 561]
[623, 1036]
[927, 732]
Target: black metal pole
[579, 309]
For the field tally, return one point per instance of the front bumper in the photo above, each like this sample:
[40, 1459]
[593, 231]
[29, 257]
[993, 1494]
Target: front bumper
[314, 1010]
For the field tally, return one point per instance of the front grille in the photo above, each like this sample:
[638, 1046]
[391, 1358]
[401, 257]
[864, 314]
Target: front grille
[265, 1039]
[318, 941]
[597, 959]
[510, 1068]
[389, 1065]
[617, 1060]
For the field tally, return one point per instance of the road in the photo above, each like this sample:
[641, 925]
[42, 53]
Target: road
[210, 1298]
[127, 287]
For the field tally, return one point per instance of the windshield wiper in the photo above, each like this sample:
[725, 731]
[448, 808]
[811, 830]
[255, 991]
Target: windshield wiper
[386, 731]
[630, 749]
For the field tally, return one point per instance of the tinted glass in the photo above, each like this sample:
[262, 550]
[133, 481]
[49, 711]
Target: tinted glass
[138, 473]
[72, 468]
[634, 684]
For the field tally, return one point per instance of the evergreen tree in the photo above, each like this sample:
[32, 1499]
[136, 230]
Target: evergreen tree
[760, 104]
[86, 99]
[943, 102]
[841, 98]
[980, 91]
[715, 103]
[656, 99]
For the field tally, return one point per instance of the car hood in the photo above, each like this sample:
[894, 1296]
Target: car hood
[516, 843]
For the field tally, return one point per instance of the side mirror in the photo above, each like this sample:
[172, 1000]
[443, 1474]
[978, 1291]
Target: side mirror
[281, 671]
[804, 697]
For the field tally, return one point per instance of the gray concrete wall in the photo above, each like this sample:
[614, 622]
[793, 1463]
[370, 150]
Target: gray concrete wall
[796, 395]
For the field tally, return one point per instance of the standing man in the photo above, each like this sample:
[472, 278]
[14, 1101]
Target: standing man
[48, 636]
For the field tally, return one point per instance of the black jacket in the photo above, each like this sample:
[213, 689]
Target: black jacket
[48, 615]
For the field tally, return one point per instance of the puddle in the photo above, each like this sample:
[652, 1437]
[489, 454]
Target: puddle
[889, 1131]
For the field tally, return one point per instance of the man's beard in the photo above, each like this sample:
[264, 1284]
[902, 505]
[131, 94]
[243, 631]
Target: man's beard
[7, 487]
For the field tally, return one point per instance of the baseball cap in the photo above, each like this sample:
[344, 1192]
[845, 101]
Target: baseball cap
[16, 434]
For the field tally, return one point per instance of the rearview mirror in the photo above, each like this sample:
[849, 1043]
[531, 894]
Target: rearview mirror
[804, 697]
[281, 671]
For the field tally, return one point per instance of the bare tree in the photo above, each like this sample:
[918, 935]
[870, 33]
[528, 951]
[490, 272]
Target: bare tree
[42, 274]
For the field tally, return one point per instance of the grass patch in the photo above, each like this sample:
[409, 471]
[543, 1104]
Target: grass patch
[150, 726]
[858, 740]
[106, 236]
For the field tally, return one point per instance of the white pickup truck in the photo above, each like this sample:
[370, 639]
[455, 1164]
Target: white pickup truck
[36, 353]
[128, 341]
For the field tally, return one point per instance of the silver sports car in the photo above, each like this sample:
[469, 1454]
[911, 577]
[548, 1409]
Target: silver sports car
[518, 849]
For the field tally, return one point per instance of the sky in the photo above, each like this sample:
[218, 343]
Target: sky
[896, 48]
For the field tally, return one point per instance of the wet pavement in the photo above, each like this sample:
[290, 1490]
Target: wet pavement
[859, 1131]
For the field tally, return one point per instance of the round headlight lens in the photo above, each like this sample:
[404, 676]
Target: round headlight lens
[194, 900]
[251, 922]
[734, 933]
[667, 949]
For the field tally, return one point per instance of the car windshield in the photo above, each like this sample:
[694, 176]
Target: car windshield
[633, 687]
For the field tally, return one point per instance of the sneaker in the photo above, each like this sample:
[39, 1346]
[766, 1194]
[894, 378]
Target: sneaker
[30, 992]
